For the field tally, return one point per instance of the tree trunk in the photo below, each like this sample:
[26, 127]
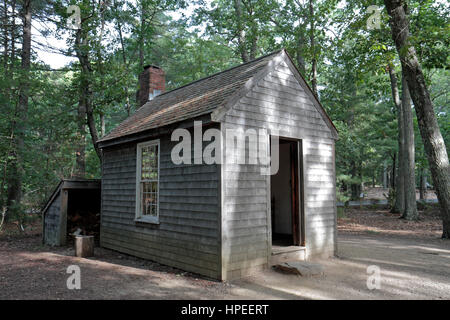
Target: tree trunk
[254, 43]
[93, 129]
[80, 151]
[81, 49]
[355, 187]
[399, 204]
[102, 125]
[13, 33]
[429, 129]
[141, 38]
[124, 58]
[5, 34]
[241, 31]
[423, 184]
[16, 164]
[313, 49]
[8, 74]
[392, 180]
[300, 49]
[410, 212]
[6, 92]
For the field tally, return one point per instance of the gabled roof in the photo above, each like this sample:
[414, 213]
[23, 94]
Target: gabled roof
[214, 93]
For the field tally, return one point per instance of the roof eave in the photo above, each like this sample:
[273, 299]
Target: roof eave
[154, 132]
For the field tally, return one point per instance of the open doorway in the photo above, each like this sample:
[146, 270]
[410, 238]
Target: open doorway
[286, 194]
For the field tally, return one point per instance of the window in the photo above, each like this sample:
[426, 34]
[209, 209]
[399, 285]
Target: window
[147, 182]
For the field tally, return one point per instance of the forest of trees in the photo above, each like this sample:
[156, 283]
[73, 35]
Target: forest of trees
[380, 69]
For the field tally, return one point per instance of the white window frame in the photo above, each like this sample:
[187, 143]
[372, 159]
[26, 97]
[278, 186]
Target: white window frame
[139, 217]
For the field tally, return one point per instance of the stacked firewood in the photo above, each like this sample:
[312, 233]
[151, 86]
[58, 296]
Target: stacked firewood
[83, 223]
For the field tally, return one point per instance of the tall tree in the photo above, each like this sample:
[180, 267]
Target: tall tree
[15, 174]
[312, 39]
[118, 24]
[405, 188]
[80, 152]
[410, 207]
[82, 49]
[246, 54]
[399, 205]
[428, 125]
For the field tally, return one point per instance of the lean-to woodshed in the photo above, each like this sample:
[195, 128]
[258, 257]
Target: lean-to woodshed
[73, 206]
[223, 219]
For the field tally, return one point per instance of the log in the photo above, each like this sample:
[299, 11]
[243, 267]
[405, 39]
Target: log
[84, 246]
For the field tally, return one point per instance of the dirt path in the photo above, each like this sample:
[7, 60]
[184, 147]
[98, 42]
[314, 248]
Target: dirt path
[411, 268]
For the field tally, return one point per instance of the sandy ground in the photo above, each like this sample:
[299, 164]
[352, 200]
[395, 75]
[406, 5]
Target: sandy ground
[378, 193]
[411, 267]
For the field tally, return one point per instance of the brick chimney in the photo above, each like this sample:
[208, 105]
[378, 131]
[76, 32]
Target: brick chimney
[152, 82]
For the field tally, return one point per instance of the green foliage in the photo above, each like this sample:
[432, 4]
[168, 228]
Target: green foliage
[122, 36]
[341, 213]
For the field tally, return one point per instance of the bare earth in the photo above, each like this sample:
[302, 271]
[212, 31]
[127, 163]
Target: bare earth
[378, 193]
[414, 265]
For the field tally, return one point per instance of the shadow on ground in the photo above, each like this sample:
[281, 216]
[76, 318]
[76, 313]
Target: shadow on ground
[410, 269]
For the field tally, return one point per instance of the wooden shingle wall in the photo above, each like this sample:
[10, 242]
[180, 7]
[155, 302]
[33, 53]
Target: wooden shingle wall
[277, 103]
[52, 222]
[188, 234]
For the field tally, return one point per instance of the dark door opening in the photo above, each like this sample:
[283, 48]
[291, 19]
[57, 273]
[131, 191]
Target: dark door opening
[83, 213]
[285, 190]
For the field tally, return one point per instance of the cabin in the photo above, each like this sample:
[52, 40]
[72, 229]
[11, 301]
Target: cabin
[224, 176]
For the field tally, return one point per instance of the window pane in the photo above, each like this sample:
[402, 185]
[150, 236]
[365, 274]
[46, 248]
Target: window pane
[149, 165]
[149, 181]
[149, 198]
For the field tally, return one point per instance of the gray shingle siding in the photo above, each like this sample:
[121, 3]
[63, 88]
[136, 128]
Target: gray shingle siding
[280, 104]
[187, 236]
[52, 222]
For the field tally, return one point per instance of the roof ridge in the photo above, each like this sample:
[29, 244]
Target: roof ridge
[205, 93]
[215, 74]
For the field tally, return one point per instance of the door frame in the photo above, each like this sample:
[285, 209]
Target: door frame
[297, 175]
[302, 192]
[295, 197]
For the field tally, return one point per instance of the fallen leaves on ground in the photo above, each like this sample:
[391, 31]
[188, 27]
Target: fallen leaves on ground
[380, 220]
